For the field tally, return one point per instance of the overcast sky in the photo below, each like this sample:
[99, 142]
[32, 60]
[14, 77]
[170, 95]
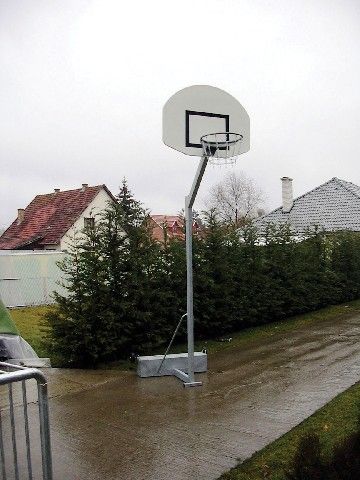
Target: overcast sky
[83, 83]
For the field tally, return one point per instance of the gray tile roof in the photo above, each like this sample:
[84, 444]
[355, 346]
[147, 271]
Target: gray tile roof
[332, 206]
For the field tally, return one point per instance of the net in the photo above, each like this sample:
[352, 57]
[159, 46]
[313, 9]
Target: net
[222, 148]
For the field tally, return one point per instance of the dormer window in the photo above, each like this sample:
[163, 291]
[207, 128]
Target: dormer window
[89, 222]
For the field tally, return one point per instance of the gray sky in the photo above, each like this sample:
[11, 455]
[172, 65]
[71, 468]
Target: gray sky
[83, 83]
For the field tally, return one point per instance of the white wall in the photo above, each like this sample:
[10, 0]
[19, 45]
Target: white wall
[100, 202]
[30, 278]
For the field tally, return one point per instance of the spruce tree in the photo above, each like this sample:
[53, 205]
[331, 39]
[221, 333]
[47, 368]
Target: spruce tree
[112, 291]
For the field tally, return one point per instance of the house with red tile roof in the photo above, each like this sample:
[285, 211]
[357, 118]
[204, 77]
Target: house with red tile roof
[50, 221]
[171, 226]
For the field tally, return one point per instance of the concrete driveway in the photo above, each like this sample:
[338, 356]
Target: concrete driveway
[113, 425]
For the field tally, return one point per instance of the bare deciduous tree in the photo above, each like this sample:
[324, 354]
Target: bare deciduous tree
[236, 199]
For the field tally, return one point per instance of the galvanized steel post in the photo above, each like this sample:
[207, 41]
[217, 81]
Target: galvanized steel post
[189, 202]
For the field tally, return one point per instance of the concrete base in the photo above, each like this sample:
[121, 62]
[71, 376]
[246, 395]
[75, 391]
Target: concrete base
[31, 362]
[149, 366]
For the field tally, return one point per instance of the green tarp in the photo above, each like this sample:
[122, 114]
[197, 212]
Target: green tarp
[6, 322]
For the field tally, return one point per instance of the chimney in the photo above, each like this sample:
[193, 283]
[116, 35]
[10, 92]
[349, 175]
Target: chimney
[84, 186]
[21, 215]
[287, 194]
[56, 190]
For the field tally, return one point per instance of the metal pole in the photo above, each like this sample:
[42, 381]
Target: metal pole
[189, 202]
[2, 451]
[45, 431]
[27, 431]
[13, 431]
[189, 290]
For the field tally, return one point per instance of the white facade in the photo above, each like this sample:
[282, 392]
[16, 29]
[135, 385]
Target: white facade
[99, 204]
[29, 278]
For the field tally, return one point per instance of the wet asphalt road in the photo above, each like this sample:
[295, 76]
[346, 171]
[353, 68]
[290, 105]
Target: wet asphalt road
[113, 425]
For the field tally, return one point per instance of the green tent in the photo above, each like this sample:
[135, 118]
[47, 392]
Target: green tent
[6, 322]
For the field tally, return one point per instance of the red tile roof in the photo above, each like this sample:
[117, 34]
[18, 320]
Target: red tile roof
[174, 224]
[168, 220]
[48, 217]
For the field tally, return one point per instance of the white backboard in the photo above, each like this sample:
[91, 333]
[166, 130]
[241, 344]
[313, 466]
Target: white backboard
[199, 110]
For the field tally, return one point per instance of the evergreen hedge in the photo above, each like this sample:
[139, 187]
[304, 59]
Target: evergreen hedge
[126, 292]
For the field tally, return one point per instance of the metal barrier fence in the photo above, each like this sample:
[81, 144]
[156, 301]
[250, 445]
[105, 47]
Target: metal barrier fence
[24, 435]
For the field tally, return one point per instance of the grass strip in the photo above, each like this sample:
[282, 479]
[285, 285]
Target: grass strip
[30, 322]
[333, 422]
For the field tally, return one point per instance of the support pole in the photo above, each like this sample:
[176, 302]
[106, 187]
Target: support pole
[189, 202]
[181, 365]
[189, 291]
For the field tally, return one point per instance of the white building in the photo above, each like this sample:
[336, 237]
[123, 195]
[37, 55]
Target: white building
[332, 206]
[50, 220]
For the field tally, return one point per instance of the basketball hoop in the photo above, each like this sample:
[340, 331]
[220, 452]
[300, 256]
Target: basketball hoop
[188, 117]
[222, 148]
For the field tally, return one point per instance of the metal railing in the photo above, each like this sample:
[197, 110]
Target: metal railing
[26, 429]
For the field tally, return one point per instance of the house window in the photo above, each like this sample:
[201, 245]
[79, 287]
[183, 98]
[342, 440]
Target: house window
[89, 222]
